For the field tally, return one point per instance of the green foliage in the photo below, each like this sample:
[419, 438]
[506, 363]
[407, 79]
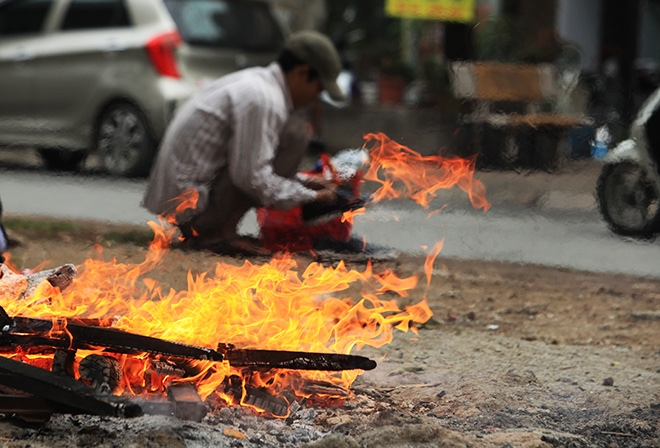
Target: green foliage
[48, 228]
[138, 237]
[364, 34]
[42, 227]
[506, 39]
[498, 39]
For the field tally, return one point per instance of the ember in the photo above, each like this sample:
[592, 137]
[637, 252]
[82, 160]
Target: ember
[260, 336]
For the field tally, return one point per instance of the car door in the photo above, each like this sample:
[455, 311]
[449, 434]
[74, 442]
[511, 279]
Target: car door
[78, 56]
[23, 25]
[221, 36]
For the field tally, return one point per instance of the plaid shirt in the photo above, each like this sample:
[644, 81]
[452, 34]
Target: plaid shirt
[235, 122]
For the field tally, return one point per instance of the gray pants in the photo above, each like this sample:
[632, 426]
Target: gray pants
[227, 204]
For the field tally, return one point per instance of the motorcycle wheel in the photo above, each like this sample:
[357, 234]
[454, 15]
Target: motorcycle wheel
[629, 200]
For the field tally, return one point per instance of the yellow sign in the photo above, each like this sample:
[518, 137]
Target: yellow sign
[448, 10]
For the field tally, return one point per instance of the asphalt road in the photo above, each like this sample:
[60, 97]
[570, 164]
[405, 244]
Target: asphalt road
[573, 237]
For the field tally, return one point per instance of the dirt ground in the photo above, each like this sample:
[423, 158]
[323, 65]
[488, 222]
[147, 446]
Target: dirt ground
[514, 356]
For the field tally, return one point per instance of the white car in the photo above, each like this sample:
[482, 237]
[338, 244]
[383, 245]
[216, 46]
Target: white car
[79, 76]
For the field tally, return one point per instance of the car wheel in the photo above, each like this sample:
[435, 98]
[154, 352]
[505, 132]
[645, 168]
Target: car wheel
[124, 142]
[60, 160]
[629, 200]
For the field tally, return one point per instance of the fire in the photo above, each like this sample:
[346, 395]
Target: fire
[274, 306]
[271, 306]
[393, 164]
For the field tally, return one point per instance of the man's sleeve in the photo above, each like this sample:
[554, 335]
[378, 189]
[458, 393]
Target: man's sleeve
[251, 156]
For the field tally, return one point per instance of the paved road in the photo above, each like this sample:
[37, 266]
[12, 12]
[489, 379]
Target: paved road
[578, 240]
[574, 238]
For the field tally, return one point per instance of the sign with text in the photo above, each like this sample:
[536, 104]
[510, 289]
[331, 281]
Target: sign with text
[447, 10]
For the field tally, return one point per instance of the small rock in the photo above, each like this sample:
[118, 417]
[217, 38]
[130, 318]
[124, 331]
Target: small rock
[234, 433]
[406, 369]
[646, 315]
[338, 420]
[609, 381]
[515, 377]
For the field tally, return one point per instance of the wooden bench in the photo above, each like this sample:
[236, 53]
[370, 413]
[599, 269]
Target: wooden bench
[510, 117]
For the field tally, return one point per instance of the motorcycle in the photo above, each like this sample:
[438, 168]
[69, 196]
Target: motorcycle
[628, 188]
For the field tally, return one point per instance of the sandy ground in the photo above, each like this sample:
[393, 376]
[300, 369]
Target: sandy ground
[514, 356]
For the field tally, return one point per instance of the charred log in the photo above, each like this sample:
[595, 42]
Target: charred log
[112, 339]
[103, 373]
[64, 391]
[276, 359]
[165, 368]
[63, 362]
[257, 397]
[261, 399]
[310, 387]
[33, 409]
[188, 403]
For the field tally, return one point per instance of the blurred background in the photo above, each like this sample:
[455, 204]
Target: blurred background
[100, 79]
[604, 54]
[538, 90]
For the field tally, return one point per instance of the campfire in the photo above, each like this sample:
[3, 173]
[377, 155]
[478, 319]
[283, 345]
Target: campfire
[107, 338]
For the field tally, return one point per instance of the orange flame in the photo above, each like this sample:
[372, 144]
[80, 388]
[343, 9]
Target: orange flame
[273, 306]
[428, 264]
[393, 164]
[186, 200]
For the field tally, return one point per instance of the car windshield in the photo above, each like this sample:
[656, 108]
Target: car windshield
[220, 23]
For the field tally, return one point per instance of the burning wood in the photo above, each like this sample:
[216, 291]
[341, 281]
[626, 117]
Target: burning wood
[47, 393]
[66, 394]
[106, 357]
[260, 336]
[189, 405]
[103, 372]
[25, 332]
[111, 360]
[25, 286]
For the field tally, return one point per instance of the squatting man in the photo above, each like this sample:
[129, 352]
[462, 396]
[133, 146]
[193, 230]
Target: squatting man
[238, 145]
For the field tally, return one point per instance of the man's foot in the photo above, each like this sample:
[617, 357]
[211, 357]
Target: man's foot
[239, 246]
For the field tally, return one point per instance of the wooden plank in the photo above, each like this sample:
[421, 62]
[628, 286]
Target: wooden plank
[508, 82]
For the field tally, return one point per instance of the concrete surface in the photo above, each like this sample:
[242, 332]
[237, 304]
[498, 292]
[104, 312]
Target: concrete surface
[535, 218]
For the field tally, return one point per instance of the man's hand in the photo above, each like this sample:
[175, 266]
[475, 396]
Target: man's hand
[326, 196]
[319, 183]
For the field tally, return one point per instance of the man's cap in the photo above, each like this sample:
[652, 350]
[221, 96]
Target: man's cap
[318, 51]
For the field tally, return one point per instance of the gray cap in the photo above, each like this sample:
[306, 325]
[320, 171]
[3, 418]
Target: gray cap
[318, 51]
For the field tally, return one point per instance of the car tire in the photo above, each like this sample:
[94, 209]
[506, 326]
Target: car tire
[628, 200]
[60, 160]
[124, 141]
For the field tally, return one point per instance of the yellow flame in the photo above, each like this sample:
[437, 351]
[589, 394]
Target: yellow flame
[273, 306]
